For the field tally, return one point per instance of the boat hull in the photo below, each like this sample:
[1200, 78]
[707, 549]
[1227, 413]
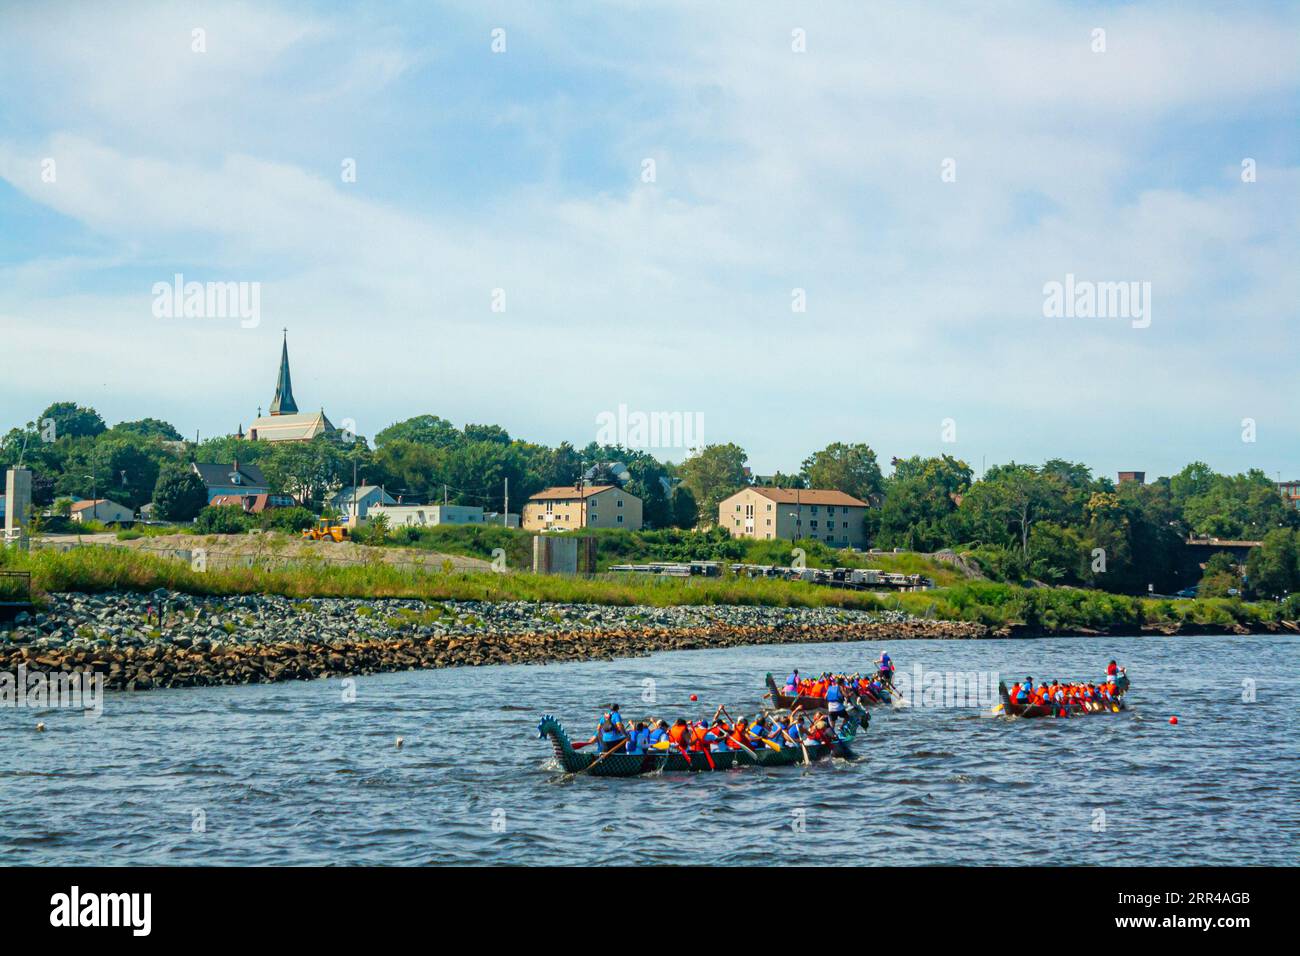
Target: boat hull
[693, 761]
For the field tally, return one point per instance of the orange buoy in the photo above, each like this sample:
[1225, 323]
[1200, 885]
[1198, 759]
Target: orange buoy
[693, 697]
[1173, 720]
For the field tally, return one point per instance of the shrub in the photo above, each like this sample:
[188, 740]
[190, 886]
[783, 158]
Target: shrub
[225, 519]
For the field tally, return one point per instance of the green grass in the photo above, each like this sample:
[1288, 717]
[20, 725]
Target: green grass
[994, 604]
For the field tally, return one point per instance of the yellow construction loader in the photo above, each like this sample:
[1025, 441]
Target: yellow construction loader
[325, 530]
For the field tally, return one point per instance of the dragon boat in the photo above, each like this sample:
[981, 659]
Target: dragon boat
[807, 703]
[621, 764]
[1012, 709]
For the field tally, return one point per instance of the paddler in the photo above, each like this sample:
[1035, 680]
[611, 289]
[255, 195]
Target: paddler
[609, 733]
[835, 702]
[791, 684]
[660, 733]
[639, 742]
[820, 732]
[886, 667]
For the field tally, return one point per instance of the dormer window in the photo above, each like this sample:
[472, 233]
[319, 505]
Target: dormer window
[234, 478]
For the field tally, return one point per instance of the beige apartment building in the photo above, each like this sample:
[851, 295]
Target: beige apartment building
[791, 513]
[582, 506]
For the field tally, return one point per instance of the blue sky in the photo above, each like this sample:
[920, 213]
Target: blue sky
[775, 170]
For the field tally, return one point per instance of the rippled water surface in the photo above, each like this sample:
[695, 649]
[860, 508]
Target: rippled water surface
[291, 774]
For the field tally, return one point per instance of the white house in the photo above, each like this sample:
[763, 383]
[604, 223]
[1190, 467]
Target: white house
[101, 509]
[428, 516]
[356, 502]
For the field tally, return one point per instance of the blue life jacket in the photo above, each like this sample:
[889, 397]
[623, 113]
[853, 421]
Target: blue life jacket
[657, 735]
[885, 663]
[792, 679]
[1023, 693]
[833, 693]
[638, 742]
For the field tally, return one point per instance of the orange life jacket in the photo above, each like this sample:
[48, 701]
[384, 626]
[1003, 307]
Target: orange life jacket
[677, 734]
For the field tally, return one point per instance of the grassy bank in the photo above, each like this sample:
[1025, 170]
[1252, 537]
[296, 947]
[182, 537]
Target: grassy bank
[642, 547]
[1045, 609]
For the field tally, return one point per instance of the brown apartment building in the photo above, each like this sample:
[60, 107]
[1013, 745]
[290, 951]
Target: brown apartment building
[582, 506]
[791, 513]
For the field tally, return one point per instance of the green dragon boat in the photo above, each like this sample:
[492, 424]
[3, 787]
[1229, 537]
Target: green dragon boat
[632, 765]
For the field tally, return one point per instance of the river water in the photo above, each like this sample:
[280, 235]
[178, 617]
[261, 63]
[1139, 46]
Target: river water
[294, 773]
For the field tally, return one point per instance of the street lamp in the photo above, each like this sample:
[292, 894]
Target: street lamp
[94, 504]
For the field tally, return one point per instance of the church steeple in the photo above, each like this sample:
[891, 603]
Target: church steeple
[283, 403]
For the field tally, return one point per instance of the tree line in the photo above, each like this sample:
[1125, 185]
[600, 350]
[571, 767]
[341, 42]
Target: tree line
[1056, 522]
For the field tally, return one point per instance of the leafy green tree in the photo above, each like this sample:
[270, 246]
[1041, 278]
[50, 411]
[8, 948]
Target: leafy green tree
[852, 469]
[421, 430]
[1273, 569]
[686, 513]
[486, 433]
[71, 420]
[149, 428]
[713, 473]
[179, 495]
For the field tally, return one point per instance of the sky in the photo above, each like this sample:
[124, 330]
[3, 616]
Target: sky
[802, 223]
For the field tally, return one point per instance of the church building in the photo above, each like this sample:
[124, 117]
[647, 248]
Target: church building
[284, 422]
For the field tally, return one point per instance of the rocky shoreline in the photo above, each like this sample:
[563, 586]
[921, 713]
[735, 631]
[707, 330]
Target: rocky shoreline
[168, 639]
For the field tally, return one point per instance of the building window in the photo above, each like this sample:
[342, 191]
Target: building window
[620, 519]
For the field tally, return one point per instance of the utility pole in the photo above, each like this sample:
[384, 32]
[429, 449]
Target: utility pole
[355, 517]
[505, 513]
[444, 495]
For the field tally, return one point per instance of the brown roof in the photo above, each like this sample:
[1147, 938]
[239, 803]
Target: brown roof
[91, 503]
[810, 496]
[569, 491]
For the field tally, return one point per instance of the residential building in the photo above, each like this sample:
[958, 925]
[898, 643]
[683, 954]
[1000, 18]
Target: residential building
[1290, 491]
[284, 422]
[582, 506]
[1140, 477]
[232, 479]
[791, 513]
[431, 516]
[101, 509]
[356, 502]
